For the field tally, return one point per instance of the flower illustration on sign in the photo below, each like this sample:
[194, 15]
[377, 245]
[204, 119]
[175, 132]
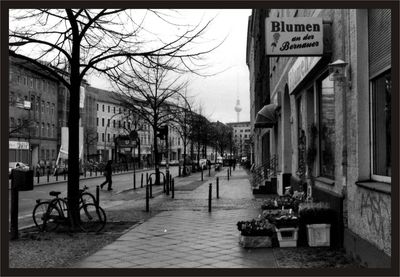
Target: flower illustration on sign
[276, 38]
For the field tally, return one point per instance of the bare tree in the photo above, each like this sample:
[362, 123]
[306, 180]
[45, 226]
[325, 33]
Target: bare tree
[151, 93]
[222, 136]
[78, 41]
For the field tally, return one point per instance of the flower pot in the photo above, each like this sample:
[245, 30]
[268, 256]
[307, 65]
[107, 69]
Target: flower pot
[318, 235]
[255, 241]
[287, 237]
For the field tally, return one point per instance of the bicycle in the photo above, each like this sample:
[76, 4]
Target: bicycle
[49, 214]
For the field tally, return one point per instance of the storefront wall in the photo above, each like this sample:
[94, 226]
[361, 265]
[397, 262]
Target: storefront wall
[366, 213]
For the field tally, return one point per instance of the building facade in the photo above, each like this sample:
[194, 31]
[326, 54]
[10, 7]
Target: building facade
[32, 113]
[336, 125]
[241, 138]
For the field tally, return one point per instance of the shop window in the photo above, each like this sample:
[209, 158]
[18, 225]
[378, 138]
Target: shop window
[327, 128]
[381, 125]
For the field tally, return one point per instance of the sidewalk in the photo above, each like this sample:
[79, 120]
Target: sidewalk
[185, 235]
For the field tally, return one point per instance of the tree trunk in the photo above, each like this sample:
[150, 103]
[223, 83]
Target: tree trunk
[156, 160]
[73, 152]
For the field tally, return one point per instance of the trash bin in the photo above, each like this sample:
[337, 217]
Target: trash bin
[22, 179]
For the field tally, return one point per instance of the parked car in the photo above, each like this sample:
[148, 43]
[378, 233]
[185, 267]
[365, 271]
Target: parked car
[14, 165]
[219, 160]
[163, 163]
[174, 162]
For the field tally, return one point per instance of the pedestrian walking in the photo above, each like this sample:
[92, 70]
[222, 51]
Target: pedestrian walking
[107, 173]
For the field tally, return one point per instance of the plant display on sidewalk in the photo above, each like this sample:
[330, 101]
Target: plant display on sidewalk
[256, 227]
[316, 212]
[286, 202]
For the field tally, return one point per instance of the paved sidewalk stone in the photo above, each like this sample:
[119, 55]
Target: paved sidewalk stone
[183, 234]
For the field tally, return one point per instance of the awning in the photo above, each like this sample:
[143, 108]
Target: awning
[266, 117]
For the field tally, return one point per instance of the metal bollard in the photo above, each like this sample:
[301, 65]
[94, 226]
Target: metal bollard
[217, 187]
[209, 170]
[56, 176]
[84, 173]
[48, 175]
[179, 171]
[14, 210]
[147, 178]
[147, 198]
[202, 173]
[96, 172]
[38, 176]
[65, 176]
[97, 196]
[173, 188]
[141, 181]
[164, 184]
[151, 187]
[227, 173]
[209, 197]
[91, 172]
[167, 186]
[134, 180]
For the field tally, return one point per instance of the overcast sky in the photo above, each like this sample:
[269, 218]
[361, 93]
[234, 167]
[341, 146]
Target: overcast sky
[218, 94]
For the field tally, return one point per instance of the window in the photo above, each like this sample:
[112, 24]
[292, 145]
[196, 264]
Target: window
[53, 154]
[103, 107]
[119, 110]
[381, 125]
[98, 137]
[97, 121]
[108, 137]
[114, 109]
[114, 122]
[42, 154]
[42, 129]
[53, 128]
[43, 106]
[108, 123]
[47, 154]
[31, 82]
[327, 128]
[113, 137]
[37, 129]
[97, 107]
[102, 137]
[48, 108]
[124, 124]
[102, 122]
[48, 129]
[108, 108]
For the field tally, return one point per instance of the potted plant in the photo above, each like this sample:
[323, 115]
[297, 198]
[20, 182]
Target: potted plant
[318, 218]
[255, 233]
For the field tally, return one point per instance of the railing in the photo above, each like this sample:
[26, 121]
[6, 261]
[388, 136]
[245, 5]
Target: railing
[264, 171]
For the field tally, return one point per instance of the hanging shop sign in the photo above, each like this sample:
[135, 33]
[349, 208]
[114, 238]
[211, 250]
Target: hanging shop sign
[300, 69]
[294, 36]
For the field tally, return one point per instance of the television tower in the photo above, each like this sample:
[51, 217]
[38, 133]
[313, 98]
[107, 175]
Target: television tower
[238, 108]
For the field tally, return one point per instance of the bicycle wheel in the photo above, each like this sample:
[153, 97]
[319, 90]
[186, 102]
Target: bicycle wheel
[93, 218]
[45, 218]
[87, 198]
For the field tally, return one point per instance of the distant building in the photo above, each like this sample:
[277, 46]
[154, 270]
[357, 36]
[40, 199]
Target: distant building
[241, 138]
